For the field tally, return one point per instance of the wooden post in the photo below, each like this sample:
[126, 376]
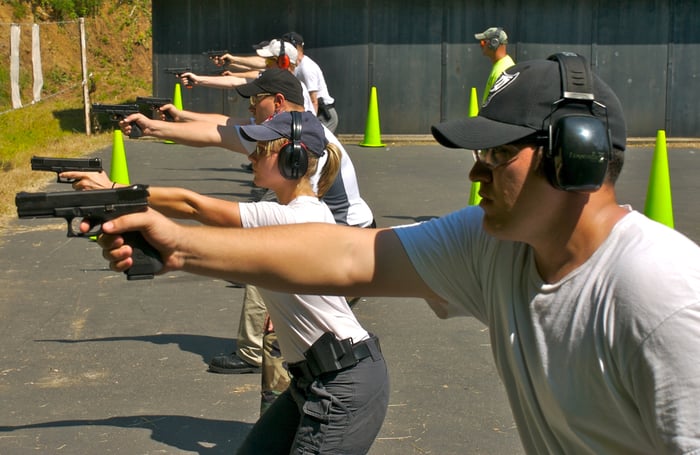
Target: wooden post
[86, 88]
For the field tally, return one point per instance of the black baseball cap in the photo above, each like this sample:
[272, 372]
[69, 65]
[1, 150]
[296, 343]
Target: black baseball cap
[274, 80]
[520, 105]
[294, 38]
[313, 136]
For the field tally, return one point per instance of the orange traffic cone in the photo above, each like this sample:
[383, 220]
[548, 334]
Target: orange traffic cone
[659, 206]
[372, 131]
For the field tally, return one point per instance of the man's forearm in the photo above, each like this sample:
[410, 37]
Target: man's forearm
[336, 260]
[200, 133]
[224, 82]
[310, 258]
[190, 116]
[194, 133]
[252, 61]
[314, 101]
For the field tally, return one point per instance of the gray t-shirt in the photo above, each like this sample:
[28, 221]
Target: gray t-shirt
[607, 360]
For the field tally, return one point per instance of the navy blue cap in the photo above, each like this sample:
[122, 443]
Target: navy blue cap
[313, 136]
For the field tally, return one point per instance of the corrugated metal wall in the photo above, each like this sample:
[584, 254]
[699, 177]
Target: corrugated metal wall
[423, 58]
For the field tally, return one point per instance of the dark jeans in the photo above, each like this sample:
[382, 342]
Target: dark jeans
[336, 413]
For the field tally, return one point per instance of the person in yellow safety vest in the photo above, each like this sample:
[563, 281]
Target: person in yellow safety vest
[493, 45]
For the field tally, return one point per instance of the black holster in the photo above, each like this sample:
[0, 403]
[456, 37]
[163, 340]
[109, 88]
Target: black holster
[323, 109]
[328, 354]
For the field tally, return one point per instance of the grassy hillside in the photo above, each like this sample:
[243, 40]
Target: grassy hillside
[118, 41]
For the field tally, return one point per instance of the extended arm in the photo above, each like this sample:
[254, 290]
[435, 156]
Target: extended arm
[181, 115]
[173, 202]
[185, 204]
[247, 74]
[194, 133]
[306, 258]
[250, 62]
[224, 82]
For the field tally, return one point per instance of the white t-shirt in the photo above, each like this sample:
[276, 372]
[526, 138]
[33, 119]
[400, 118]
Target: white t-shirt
[310, 74]
[308, 103]
[607, 360]
[301, 319]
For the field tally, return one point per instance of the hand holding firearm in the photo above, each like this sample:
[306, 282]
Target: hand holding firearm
[215, 55]
[97, 206]
[178, 71]
[118, 112]
[58, 165]
[155, 104]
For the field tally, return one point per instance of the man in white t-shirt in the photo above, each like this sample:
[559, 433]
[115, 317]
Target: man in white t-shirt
[593, 309]
[311, 75]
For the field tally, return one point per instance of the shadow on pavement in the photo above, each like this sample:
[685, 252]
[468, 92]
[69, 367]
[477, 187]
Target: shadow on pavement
[191, 434]
[202, 345]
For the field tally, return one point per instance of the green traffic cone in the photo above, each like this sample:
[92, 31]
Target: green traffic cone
[474, 197]
[119, 171]
[372, 131]
[659, 206]
[177, 102]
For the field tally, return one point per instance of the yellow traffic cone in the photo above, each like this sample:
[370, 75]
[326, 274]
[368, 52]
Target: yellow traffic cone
[177, 102]
[659, 206]
[177, 96]
[372, 131]
[473, 104]
[474, 197]
[119, 171]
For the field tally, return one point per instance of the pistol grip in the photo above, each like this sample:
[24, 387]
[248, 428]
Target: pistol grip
[147, 261]
[135, 131]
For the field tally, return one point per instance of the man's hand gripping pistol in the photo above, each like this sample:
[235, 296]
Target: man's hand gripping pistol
[97, 206]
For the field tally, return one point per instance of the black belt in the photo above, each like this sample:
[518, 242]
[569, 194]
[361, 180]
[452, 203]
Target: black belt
[329, 355]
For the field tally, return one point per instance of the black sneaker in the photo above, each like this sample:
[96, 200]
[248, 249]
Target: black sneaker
[232, 364]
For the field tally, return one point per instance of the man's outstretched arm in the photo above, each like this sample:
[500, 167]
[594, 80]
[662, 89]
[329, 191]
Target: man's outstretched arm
[313, 258]
[192, 133]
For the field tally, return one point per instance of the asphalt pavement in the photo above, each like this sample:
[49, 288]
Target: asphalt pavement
[91, 363]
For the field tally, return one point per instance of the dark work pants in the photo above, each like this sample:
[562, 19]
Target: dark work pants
[336, 413]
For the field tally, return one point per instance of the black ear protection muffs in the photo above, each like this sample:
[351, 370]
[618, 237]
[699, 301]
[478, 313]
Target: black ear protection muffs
[579, 145]
[283, 58]
[494, 42]
[293, 162]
